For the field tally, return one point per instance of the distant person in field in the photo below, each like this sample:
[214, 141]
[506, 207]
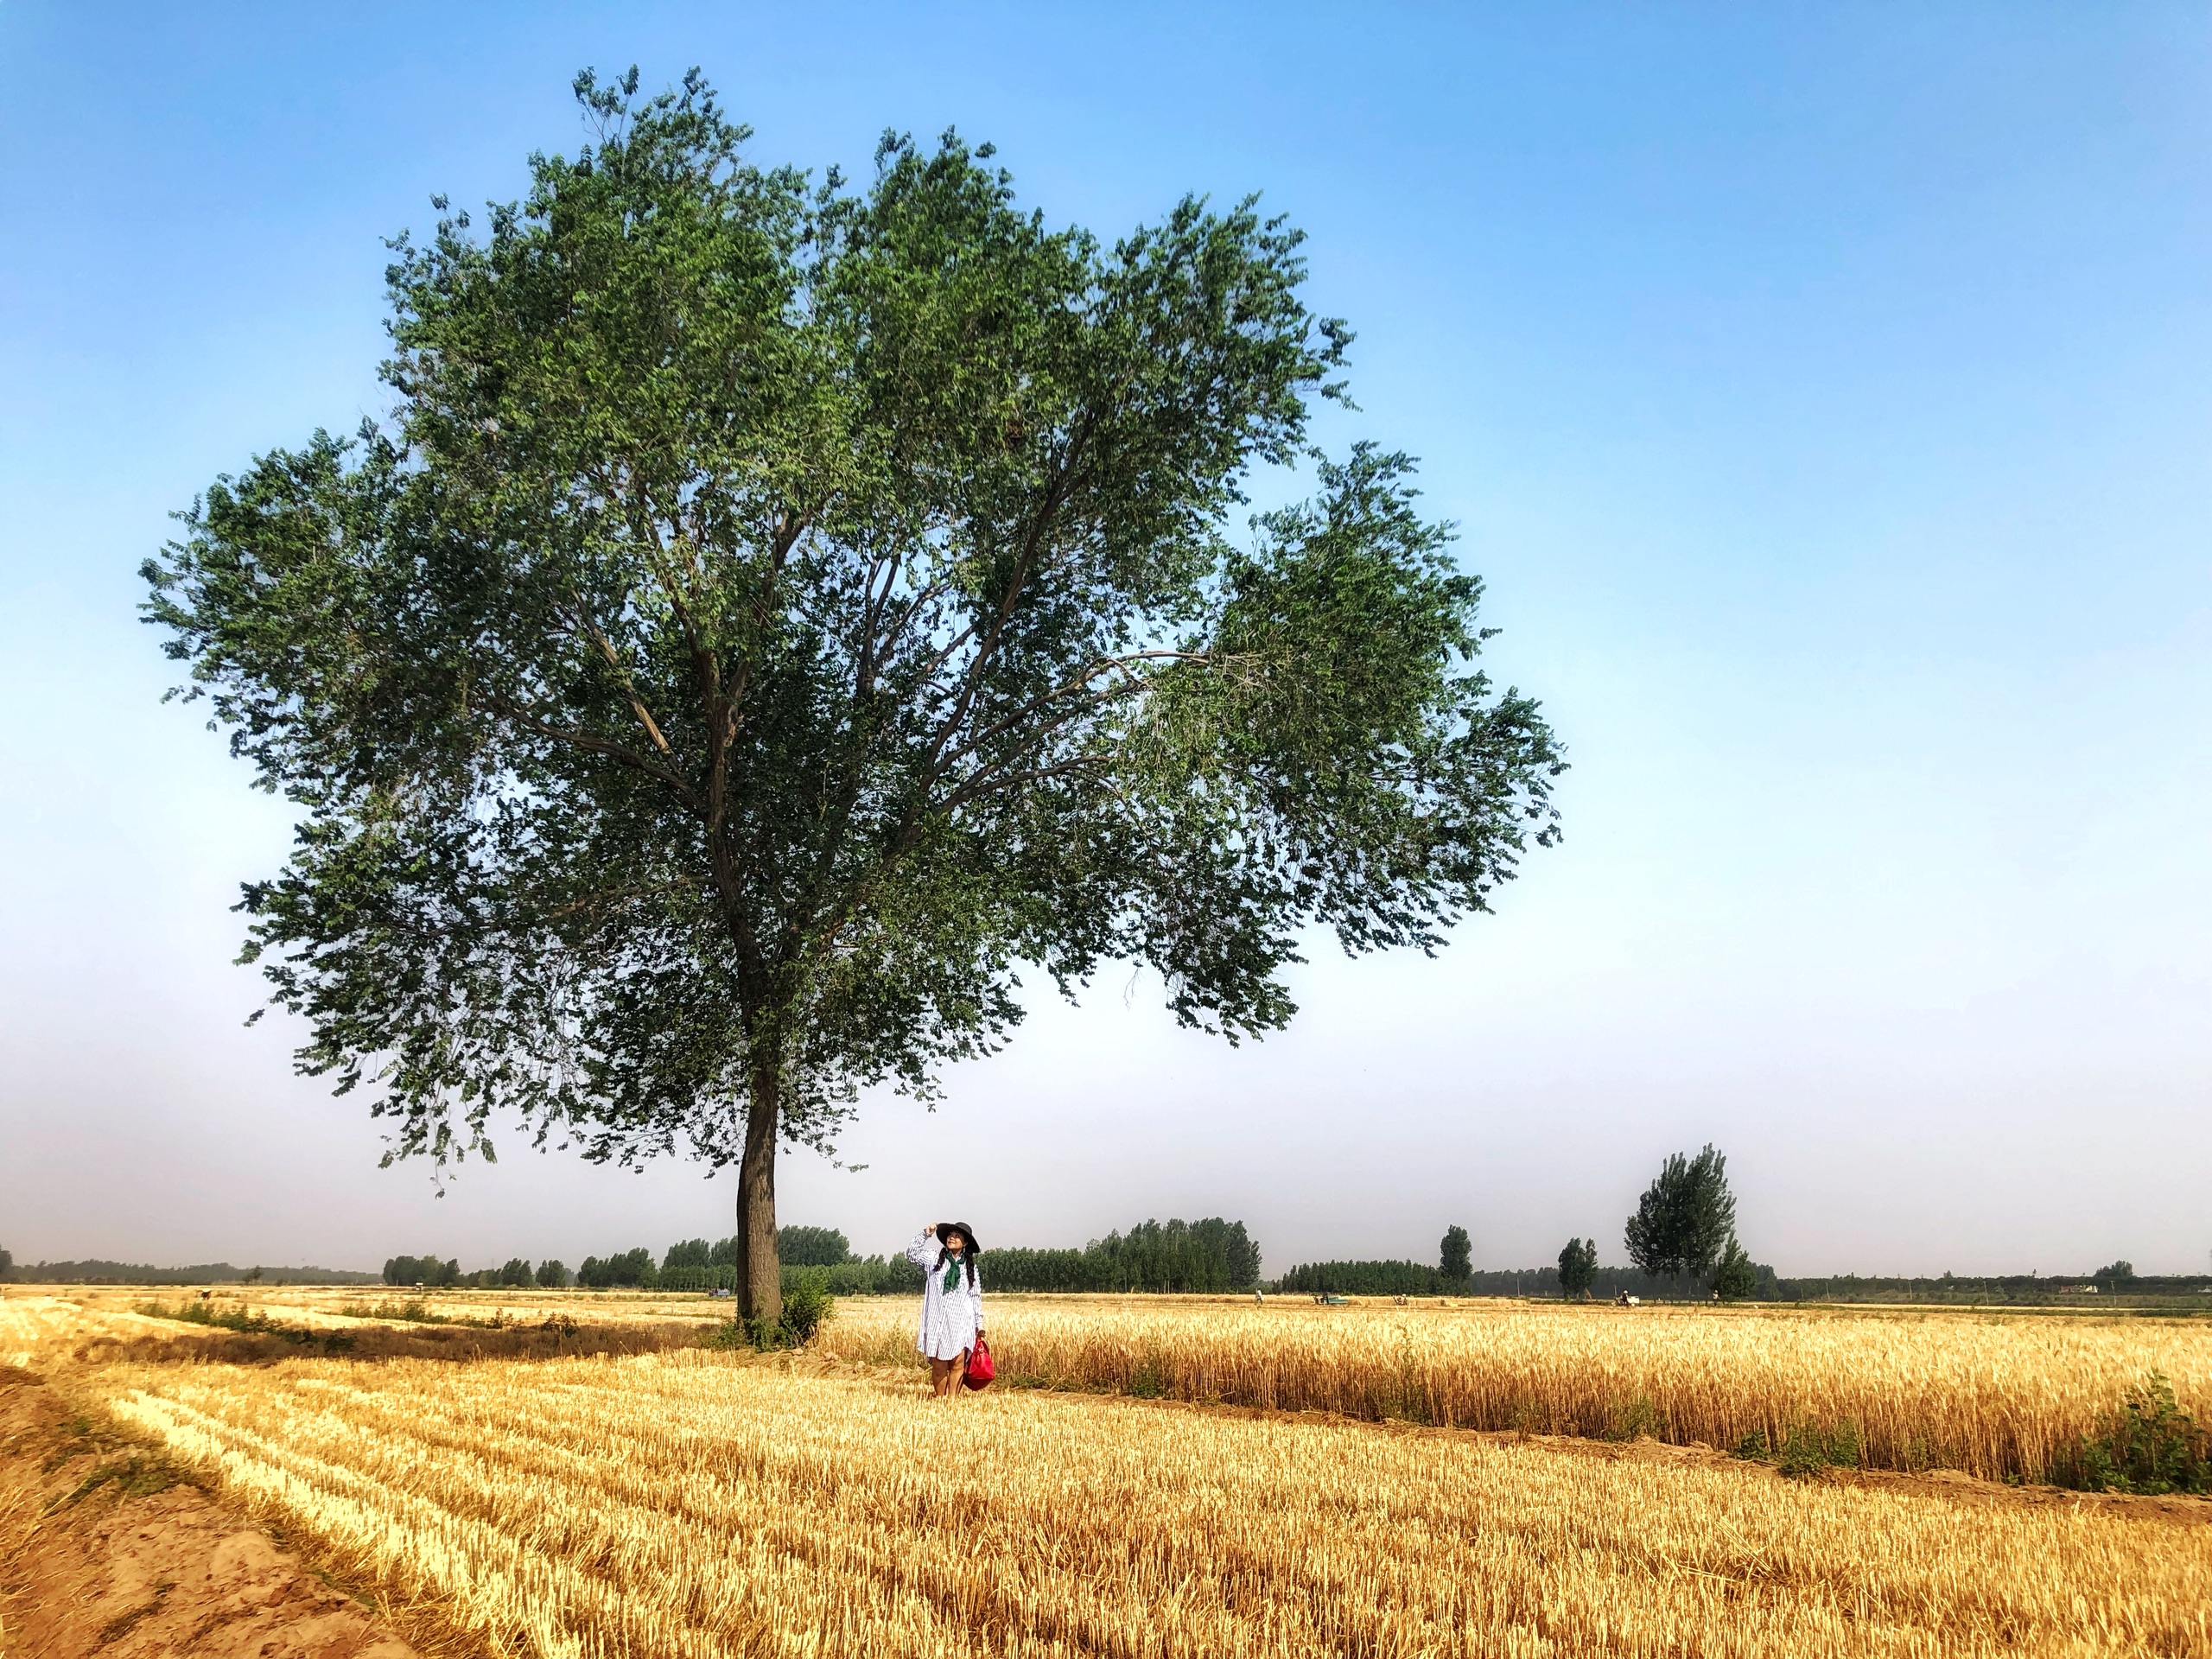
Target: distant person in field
[953, 1301]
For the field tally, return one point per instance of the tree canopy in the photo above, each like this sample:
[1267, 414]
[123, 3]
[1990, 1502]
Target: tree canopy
[775, 610]
[1577, 1266]
[1687, 1217]
[1735, 1276]
[1211, 1254]
[812, 1247]
[1455, 1255]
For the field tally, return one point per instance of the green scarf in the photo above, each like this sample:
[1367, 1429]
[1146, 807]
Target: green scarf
[951, 1272]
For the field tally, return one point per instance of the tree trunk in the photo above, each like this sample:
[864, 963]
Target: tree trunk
[759, 1269]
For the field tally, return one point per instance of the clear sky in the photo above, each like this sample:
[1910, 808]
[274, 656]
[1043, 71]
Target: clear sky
[1825, 393]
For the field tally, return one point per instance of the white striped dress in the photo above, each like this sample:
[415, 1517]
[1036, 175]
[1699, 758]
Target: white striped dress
[950, 1320]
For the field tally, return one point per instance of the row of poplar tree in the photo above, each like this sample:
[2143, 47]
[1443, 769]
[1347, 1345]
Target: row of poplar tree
[1213, 1254]
[691, 1264]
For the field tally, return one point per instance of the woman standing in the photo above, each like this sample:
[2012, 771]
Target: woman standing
[953, 1301]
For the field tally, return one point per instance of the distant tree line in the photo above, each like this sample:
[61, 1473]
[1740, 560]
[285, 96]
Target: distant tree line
[691, 1264]
[1415, 1279]
[1681, 1244]
[1172, 1255]
[1453, 1275]
[2018, 1289]
[100, 1272]
[1371, 1278]
[1213, 1254]
[2026, 1289]
[1219, 1256]
[431, 1273]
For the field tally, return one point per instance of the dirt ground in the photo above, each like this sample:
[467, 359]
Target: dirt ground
[105, 1549]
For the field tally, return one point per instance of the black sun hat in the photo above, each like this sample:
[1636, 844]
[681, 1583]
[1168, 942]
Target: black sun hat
[946, 1228]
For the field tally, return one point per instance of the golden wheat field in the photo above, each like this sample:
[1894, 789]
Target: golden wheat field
[1990, 1395]
[688, 1502]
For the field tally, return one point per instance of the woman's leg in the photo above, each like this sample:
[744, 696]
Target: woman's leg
[941, 1372]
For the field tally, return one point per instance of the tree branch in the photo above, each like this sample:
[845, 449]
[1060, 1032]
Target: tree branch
[629, 686]
[1069, 687]
[619, 752]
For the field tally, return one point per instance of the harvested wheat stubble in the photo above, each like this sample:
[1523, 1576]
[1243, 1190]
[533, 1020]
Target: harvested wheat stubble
[1992, 1396]
[1990, 1393]
[697, 1505]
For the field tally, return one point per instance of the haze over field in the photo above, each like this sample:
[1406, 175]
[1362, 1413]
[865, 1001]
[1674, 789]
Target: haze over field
[1824, 399]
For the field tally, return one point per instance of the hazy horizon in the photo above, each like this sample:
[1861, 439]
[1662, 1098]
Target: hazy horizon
[1823, 396]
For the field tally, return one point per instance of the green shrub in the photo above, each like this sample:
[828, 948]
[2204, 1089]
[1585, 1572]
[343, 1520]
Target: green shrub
[807, 1304]
[1845, 1450]
[1805, 1448]
[2149, 1446]
[1803, 1452]
[1635, 1418]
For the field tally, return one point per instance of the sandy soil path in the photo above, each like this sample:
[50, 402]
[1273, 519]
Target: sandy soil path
[103, 1550]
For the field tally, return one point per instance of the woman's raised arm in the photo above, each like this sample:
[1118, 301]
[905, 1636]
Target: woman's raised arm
[919, 1251]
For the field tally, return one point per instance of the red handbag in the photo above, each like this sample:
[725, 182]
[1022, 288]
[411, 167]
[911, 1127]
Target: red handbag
[980, 1369]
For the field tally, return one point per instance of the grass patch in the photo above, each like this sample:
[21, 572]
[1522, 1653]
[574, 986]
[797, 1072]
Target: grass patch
[79, 1436]
[415, 1311]
[246, 1323]
[136, 1474]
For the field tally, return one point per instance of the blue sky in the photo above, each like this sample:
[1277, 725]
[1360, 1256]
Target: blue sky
[1824, 394]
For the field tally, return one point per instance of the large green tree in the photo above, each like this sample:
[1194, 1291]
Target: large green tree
[1735, 1276]
[1685, 1220]
[1577, 1267]
[775, 610]
[1456, 1254]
